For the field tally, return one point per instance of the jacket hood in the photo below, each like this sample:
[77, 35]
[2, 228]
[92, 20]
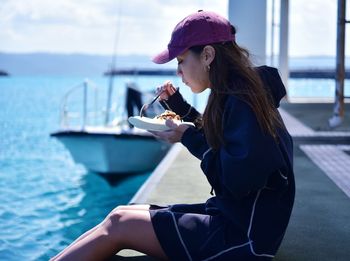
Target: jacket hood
[273, 83]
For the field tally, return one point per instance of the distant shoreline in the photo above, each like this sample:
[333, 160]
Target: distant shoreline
[3, 73]
[87, 64]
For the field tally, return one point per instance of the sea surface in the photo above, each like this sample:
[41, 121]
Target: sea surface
[46, 200]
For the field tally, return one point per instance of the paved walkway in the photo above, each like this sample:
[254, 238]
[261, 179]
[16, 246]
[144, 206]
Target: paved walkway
[319, 228]
[332, 159]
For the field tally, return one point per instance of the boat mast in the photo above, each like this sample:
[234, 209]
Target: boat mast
[113, 67]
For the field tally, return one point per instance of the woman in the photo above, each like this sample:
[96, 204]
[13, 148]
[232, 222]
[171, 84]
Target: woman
[245, 153]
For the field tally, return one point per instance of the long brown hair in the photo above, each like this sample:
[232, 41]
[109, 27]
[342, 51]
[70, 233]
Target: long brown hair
[232, 73]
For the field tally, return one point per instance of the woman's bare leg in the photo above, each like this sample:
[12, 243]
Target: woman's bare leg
[140, 207]
[122, 228]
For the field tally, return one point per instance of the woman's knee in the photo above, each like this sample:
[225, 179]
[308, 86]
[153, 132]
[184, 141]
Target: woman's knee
[122, 224]
[119, 222]
[112, 224]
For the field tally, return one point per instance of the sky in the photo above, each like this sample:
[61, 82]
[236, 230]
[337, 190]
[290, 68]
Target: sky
[142, 26]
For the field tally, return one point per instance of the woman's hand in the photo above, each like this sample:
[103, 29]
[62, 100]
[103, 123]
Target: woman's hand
[166, 90]
[174, 134]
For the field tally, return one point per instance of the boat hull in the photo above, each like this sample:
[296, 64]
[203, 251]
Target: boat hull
[113, 153]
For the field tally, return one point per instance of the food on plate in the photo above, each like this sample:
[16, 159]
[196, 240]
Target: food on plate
[168, 115]
[157, 123]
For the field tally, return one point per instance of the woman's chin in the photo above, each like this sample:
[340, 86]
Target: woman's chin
[197, 89]
[194, 90]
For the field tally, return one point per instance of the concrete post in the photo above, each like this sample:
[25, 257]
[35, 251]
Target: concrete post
[338, 111]
[249, 18]
[283, 63]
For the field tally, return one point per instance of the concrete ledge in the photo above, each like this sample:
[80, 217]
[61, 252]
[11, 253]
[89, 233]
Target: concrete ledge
[152, 181]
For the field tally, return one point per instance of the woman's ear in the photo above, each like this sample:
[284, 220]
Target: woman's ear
[208, 55]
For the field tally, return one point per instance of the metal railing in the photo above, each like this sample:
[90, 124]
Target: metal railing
[87, 110]
[83, 114]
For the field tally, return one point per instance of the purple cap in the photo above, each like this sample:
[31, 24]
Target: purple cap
[196, 29]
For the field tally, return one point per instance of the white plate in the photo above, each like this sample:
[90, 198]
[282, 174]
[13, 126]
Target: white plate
[152, 124]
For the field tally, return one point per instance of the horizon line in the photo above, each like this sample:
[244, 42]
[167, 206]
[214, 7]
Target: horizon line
[136, 54]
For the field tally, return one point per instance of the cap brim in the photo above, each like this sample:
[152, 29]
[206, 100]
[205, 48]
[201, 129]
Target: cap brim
[168, 55]
[162, 57]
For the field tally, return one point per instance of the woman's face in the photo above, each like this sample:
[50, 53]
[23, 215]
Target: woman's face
[193, 72]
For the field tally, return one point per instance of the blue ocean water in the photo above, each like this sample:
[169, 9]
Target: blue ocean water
[46, 200]
[315, 88]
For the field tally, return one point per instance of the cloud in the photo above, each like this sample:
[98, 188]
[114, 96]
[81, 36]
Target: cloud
[313, 27]
[141, 26]
[56, 26]
[53, 12]
[91, 26]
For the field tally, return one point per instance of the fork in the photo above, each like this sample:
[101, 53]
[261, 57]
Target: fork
[146, 105]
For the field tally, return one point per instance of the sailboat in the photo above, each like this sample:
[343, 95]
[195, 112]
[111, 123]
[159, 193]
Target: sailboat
[110, 148]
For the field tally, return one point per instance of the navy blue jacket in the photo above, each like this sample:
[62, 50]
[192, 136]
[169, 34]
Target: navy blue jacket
[252, 174]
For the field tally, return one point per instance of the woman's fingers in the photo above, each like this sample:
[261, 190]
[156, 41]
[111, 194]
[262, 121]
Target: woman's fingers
[173, 135]
[170, 87]
[171, 124]
[166, 90]
[163, 135]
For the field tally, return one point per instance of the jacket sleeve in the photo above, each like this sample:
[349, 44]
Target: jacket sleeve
[248, 156]
[194, 140]
[180, 106]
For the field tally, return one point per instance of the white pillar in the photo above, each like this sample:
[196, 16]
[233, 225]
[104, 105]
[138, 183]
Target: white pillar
[249, 18]
[283, 63]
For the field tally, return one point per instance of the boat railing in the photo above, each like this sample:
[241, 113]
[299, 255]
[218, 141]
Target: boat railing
[80, 108]
[82, 113]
